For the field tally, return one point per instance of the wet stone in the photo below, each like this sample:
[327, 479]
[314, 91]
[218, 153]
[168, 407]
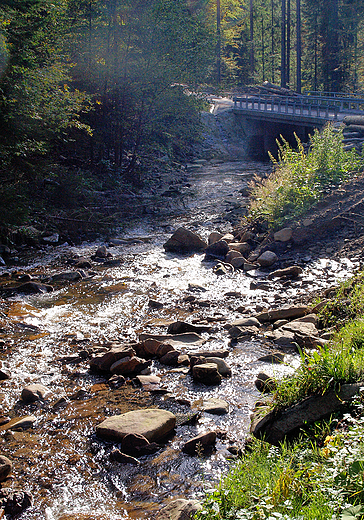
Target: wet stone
[180, 327]
[33, 288]
[273, 358]
[20, 423]
[149, 382]
[221, 364]
[202, 443]
[171, 358]
[119, 456]
[153, 424]
[4, 375]
[215, 236]
[33, 393]
[180, 509]
[184, 241]
[207, 373]
[153, 304]
[218, 250]
[6, 467]
[67, 276]
[265, 383]
[103, 362]
[14, 502]
[216, 406]
[267, 259]
[129, 365]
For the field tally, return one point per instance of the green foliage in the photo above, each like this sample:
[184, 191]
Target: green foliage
[345, 304]
[301, 179]
[312, 479]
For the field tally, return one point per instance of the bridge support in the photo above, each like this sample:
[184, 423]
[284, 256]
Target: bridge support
[261, 136]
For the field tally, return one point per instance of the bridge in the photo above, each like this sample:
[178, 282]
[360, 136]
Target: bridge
[313, 109]
[262, 118]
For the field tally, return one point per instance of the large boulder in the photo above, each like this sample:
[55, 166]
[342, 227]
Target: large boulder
[274, 427]
[151, 423]
[185, 241]
[35, 392]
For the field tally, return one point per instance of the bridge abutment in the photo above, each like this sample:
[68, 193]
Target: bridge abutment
[261, 136]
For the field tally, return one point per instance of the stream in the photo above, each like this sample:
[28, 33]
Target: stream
[47, 339]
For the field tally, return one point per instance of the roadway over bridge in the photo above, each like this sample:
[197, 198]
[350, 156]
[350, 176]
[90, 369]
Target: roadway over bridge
[268, 116]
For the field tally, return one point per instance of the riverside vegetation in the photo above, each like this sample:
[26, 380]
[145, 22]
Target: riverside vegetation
[319, 474]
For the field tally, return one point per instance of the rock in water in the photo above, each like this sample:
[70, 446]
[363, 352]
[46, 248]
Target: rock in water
[267, 259]
[152, 423]
[184, 241]
[202, 443]
[5, 467]
[180, 509]
[34, 392]
[217, 250]
[206, 373]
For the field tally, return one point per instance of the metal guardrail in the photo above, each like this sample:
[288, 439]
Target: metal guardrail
[289, 105]
[345, 102]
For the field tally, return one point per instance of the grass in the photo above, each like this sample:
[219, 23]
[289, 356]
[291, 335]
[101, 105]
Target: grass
[301, 179]
[313, 479]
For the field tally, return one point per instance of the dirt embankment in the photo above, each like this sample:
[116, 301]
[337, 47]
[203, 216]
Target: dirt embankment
[336, 223]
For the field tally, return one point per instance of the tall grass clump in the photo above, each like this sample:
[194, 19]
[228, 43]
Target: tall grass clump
[300, 179]
[338, 362]
[316, 478]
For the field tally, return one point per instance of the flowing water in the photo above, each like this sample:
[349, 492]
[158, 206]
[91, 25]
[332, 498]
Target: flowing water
[48, 338]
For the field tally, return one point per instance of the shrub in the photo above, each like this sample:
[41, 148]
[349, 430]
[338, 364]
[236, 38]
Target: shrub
[300, 179]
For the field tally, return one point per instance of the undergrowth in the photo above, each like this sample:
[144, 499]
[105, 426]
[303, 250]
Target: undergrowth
[313, 479]
[301, 179]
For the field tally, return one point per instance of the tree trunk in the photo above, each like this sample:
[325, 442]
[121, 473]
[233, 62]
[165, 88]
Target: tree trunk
[218, 31]
[299, 45]
[288, 41]
[283, 45]
[251, 41]
[272, 38]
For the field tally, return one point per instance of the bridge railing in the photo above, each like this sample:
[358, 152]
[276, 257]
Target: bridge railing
[345, 102]
[289, 105]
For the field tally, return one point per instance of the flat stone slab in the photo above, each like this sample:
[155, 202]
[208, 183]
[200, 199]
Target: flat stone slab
[19, 423]
[216, 406]
[290, 313]
[176, 340]
[152, 423]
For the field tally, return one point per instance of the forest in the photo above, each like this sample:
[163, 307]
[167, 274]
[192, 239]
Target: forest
[96, 95]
